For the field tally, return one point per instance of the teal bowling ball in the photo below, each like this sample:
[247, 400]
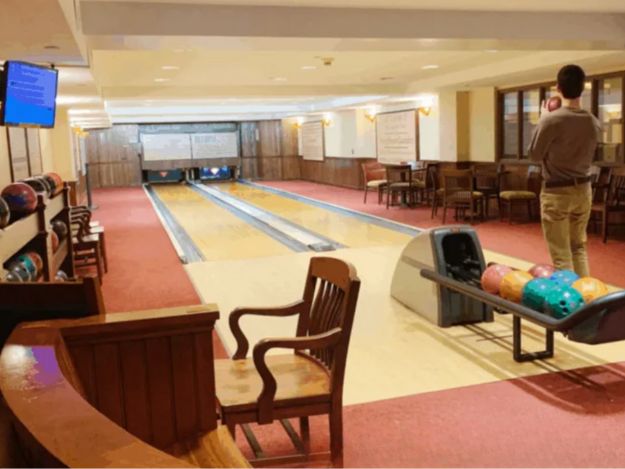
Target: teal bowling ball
[20, 270]
[561, 302]
[29, 264]
[564, 278]
[535, 292]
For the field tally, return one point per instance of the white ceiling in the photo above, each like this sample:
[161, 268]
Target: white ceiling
[175, 76]
[486, 5]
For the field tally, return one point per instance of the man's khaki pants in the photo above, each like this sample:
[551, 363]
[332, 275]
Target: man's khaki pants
[565, 212]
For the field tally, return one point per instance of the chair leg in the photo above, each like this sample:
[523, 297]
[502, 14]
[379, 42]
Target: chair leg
[529, 210]
[304, 430]
[389, 194]
[98, 264]
[336, 436]
[604, 226]
[444, 212]
[380, 194]
[104, 257]
[365, 201]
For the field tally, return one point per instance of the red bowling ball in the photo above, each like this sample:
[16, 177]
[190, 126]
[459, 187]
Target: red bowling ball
[21, 198]
[542, 270]
[492, 276]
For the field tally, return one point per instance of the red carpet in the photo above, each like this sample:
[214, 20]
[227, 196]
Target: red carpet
[522, 240]
[144, 269]
[568, 419]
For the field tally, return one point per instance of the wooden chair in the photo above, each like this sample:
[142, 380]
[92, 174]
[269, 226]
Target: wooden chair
[399, 182]
[374, 177]
[608, 199]
[434, 190]
[94, 228]
[459, 193]
[307, 382]
[487, 182]
[88, 250]
[514, 191]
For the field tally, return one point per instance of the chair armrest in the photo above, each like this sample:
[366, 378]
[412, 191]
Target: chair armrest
[233, 321]
[268, 393]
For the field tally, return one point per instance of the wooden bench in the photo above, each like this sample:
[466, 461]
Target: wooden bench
[117, 390]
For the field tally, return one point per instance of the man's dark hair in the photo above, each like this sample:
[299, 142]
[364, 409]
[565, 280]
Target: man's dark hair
[571, 80]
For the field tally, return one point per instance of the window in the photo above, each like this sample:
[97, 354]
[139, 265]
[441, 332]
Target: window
[531, 114]
[610, 113]
[510, 126]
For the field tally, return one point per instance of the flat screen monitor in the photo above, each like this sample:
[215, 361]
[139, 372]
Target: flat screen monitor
[28, 95]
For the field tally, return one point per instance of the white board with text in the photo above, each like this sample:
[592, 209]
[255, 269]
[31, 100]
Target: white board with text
[215, 145]
[396, 136]
[159, 147]
[312, 141]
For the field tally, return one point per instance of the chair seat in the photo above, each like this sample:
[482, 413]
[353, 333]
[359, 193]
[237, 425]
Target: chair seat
[517, 195]
[239, 384]
[418, 184]
[399, 185]
[464, 195]
[376, 183]
[92, 238]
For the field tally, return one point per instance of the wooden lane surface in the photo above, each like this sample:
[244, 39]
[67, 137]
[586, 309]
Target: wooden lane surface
[216, 232]
[341, 228]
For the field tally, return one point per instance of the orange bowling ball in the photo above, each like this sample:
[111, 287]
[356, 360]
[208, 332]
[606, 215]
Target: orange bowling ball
[590, 288]
[512, 285]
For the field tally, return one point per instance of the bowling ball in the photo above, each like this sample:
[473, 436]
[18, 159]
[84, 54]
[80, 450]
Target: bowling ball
[60, 228]
[20, 270]
[61, 276]
[21, 198]
[55, 182]
[29, 264]
[542, 270]
[37, 184]
[512, 285]
[590, 288]
[5, 213]
[553, 103]
[492, 276]
[13, 277]
[36, 259]
[564, 278]
[563, 301]
[535, 292]
[55, 241]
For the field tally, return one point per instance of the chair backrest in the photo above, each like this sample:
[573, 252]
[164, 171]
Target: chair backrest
[330, 294]
[486, 176]
[457, 180]
[514, 178]
[372, 171]
[399, 173]
[616, 192]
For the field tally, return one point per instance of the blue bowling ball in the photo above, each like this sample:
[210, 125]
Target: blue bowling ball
[564, 278]
[535, 292]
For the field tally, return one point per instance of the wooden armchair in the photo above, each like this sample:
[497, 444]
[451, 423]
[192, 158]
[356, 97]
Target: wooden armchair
[459, 193]
[608, 199]
[515, 191]
[399, 181]
[374, 177]
[88, 245]
[487, 182]
[309, 381]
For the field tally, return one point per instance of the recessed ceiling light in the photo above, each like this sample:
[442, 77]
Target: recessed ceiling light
[51, 47]
[170, 67]
[309, 67]
[386, 78]
[278, 78]
[429, 67]
[160, 80]
[491, 51]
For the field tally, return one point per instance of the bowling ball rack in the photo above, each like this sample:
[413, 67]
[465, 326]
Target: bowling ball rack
[599, 322]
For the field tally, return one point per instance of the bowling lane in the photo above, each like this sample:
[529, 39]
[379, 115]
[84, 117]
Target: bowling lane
[341, 228]
[216, 232]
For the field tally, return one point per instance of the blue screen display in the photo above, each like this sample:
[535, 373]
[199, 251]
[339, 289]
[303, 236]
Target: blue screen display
[30, 95]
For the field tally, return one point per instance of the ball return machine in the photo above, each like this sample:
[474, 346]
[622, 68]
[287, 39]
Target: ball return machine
[438, 277]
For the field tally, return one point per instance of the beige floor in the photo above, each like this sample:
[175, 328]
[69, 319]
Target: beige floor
[393, 351]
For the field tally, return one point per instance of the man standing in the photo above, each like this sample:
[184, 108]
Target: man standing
[564, 142]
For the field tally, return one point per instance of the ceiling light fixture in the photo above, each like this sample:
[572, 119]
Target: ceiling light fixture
[491, 51]
[309, 67]
[278, 78]
[160, 80]
[51, 47]
[430, 67]
[386, 78]
[170, 67]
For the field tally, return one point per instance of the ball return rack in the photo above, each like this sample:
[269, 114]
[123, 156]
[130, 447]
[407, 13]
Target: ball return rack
[599, 322]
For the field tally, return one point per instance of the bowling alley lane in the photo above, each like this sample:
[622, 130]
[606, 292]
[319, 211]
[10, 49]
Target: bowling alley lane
[216, 232]
[343, 229]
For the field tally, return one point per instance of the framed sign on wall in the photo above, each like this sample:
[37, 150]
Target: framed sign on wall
[313, 145]
[397, 136]
[18, 152]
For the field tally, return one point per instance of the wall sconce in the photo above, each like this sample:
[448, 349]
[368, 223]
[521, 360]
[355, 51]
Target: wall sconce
[425, 110]
[370, 116]
[326, 121]
[297, 125]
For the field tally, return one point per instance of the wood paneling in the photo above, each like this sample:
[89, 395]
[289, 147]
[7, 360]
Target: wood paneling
[344, 172]
[113, 157]
[156, 382]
